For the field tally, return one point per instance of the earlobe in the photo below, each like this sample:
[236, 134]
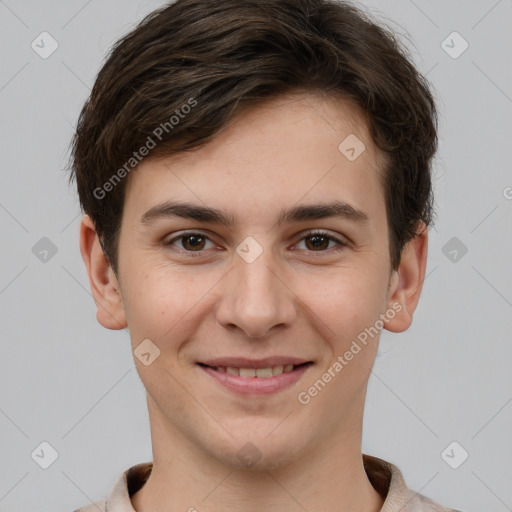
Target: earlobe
[102, 280]
[407, 282]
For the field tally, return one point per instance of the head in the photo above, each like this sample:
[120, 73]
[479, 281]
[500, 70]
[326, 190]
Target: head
[251, 110]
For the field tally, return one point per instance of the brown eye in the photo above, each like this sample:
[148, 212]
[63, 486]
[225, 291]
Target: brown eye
[318, 241]
[190, 242]
[193, 242]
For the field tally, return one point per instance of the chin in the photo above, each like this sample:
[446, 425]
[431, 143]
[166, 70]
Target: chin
[257, 453]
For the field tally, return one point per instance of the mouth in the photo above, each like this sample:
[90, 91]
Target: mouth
[260, 373]
[250, 377]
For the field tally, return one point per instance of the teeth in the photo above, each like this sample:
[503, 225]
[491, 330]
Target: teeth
[247, 372]
[263, 373]
[277, 370]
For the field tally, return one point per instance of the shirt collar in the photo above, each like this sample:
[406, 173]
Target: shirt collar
[385, 477]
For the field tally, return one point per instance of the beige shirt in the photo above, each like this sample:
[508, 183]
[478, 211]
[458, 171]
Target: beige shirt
[384, 476]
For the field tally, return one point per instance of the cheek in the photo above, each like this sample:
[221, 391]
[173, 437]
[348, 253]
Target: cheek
[161, 303]
[345, 301]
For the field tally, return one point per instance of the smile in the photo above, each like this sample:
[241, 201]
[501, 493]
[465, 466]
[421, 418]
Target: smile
[265, 380]
[262, 373]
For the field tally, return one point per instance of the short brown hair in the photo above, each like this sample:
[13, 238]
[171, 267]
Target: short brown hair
[220, 56]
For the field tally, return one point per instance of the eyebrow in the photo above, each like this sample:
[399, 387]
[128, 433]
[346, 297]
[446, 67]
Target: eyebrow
[337, 209]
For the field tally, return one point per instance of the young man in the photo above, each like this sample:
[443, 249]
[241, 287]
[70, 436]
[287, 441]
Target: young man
[256, 183]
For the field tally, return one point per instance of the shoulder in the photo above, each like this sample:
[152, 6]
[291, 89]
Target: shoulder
[387, 479]
[416, 502]
[97, 506]
[127, 484]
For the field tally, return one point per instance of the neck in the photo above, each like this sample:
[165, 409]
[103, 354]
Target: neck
[330, 477]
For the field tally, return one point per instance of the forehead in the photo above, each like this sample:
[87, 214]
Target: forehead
[274, 151]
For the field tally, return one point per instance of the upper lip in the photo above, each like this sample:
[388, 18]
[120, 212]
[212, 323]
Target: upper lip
[244, 362]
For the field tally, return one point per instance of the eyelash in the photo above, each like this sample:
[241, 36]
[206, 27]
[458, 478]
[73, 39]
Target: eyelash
[342, 245]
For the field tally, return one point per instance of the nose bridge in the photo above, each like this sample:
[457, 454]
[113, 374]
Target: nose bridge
[257, 281]
[255, 297]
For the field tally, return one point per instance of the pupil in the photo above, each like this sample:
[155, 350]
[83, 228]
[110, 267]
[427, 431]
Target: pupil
[192, 238]
[316, 240]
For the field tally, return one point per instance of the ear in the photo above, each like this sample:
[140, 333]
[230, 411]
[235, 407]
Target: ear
[406, 282]
[102, 280]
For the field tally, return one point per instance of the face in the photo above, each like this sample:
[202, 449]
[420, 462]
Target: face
[254, 274]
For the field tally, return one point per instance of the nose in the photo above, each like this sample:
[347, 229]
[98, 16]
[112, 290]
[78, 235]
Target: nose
[255, 297]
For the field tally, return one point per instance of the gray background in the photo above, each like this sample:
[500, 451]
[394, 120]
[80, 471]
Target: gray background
[68, 381]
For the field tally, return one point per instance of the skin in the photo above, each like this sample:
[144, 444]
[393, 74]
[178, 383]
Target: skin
[295, 299]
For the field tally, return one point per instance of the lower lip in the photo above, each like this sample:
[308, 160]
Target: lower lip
[257, 385]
